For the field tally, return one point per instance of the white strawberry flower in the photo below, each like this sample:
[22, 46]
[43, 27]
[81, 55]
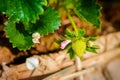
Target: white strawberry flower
[36, 37]
[35, 40]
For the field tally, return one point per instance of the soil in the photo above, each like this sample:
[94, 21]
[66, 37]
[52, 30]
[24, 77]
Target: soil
[53, 60]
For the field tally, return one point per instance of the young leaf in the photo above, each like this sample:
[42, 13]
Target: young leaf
[89, 11]
[18, 36]
[47, 23]
[23, 10]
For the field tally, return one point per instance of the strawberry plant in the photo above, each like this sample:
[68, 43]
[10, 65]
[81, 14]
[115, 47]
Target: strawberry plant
[27, 20]
[26, 17]
[88, 11]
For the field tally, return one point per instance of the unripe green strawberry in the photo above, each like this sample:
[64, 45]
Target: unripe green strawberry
[79, 47]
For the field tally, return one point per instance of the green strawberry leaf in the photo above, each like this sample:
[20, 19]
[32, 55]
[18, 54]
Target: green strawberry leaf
[91, 38]
[48, 22]
[22, 36]
[18, 36]
[81, 33]
[90, 49]
[69, 33]
[89, 11]
[23, 10]
[93, 49]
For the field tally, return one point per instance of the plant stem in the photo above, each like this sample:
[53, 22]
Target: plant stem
[72, 22]
[77, 74]
[78, 64]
